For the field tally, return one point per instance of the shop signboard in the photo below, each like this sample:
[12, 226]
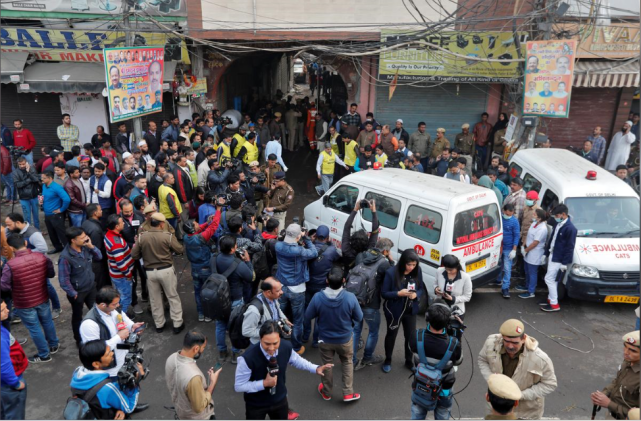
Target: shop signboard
[100, 7]
[451, 57]
[548, 78]
[616, 40]
[134, 81]
[78, 45]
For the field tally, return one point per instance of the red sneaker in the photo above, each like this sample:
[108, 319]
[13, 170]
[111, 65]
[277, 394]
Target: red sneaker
[551, 307]
[323, 395]
[352, 397]
[291, 415]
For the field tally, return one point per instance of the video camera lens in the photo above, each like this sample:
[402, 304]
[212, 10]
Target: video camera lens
[364, 204]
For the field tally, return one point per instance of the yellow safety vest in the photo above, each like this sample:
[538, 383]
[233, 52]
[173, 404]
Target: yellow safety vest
[226, 151]
[329, 161]
[241, 141]
[332, 141]
[350, 153]
[252, 153]
[163, 191]
[381, 159]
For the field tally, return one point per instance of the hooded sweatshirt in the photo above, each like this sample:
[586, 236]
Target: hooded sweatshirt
[487, 183]
[335, 311]
[110, 395]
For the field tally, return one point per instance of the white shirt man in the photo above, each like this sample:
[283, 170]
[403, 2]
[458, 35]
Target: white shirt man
[274, 147]
[89, 330]
[619, 150]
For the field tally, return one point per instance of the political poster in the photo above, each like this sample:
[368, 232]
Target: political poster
[134, 81]
[548, 78]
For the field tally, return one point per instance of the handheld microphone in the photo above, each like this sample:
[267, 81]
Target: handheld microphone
[272, 370]
[121, 324]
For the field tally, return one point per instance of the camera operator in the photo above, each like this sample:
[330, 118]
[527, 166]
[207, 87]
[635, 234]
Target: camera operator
[111, 401]
[106, 322]
[217, 176]
[455, 288]
[254, 318]
[251, 186]
[353, 244]
[259, 369]
[234, 188]
[258, 181]
[436, 342]
[242, 273]
[191, 395]
[293, 272]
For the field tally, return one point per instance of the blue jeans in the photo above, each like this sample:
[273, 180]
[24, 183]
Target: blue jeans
[7, 182]
[373, 319]
[173, 222]
[531, 276]
[38, 319]
[77, 219]
[29, 208]
[481, 162]
[53, 296]
[221, 330]
[307, 326]
[123, 286]
[198, 279]
[29, 158]
[14, 402]
[507, 270]
[297, 301]
[441, 411]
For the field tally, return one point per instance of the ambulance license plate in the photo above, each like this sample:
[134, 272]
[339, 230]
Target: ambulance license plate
[625, 299]
[471, 267]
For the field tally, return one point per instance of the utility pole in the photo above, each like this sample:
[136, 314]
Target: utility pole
[129, 42]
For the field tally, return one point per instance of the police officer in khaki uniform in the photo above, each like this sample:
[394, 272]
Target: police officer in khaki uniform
[155, 247]
[440, 143]
[149, 210]
[279, 198]
[623, 393]
[271, 168]
[518, 356]
[464, 141]
[503, 395]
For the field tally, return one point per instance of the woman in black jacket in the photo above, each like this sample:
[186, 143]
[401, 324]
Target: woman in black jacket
[403, 288]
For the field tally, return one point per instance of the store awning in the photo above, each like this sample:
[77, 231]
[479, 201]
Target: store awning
[65, 77]
[74, 77]
[12, 64]
[606, 74]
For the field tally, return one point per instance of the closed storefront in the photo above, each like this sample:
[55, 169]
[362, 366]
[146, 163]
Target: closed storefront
[448, 105]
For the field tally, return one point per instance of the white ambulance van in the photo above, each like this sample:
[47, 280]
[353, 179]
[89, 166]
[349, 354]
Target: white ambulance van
[605, 211]
[429, 214]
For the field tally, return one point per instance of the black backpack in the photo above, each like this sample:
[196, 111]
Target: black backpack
[84, 405]
[361, 280]
[215, 295]
[235, 324]
[260, 264]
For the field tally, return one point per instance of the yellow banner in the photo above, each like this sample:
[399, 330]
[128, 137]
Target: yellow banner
[427, 63]
[79, 45]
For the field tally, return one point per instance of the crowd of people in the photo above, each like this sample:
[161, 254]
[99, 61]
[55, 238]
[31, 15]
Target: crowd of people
[118, 209]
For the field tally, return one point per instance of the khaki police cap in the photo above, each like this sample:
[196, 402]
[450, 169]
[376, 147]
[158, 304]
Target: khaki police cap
[504, 387]
[632, 338]
[149, 209]
[158, 217]
[512, 328]
[633, 414]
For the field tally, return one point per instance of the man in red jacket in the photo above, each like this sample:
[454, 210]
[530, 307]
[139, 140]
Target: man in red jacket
[24, 138]
[26, 277]
[14, 363]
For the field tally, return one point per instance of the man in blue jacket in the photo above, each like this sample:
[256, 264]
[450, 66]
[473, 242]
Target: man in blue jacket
[560, 248]
[318, 270]
[111, 402]
[511, 233]
[55, 203]
[293, 273]
[336, 310]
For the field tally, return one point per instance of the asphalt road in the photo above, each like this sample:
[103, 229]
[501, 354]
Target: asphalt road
[384, 396]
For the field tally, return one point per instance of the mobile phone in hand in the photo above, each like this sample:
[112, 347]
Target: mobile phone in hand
[218, 366]
[141, 328]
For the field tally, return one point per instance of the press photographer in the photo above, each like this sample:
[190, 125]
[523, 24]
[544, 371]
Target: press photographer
[106, 322]
[217, 176]
[91, 382]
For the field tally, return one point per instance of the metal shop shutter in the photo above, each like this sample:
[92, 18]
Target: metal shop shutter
[166, 113]
[589, 107]
[440, 106]
[42, 117]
